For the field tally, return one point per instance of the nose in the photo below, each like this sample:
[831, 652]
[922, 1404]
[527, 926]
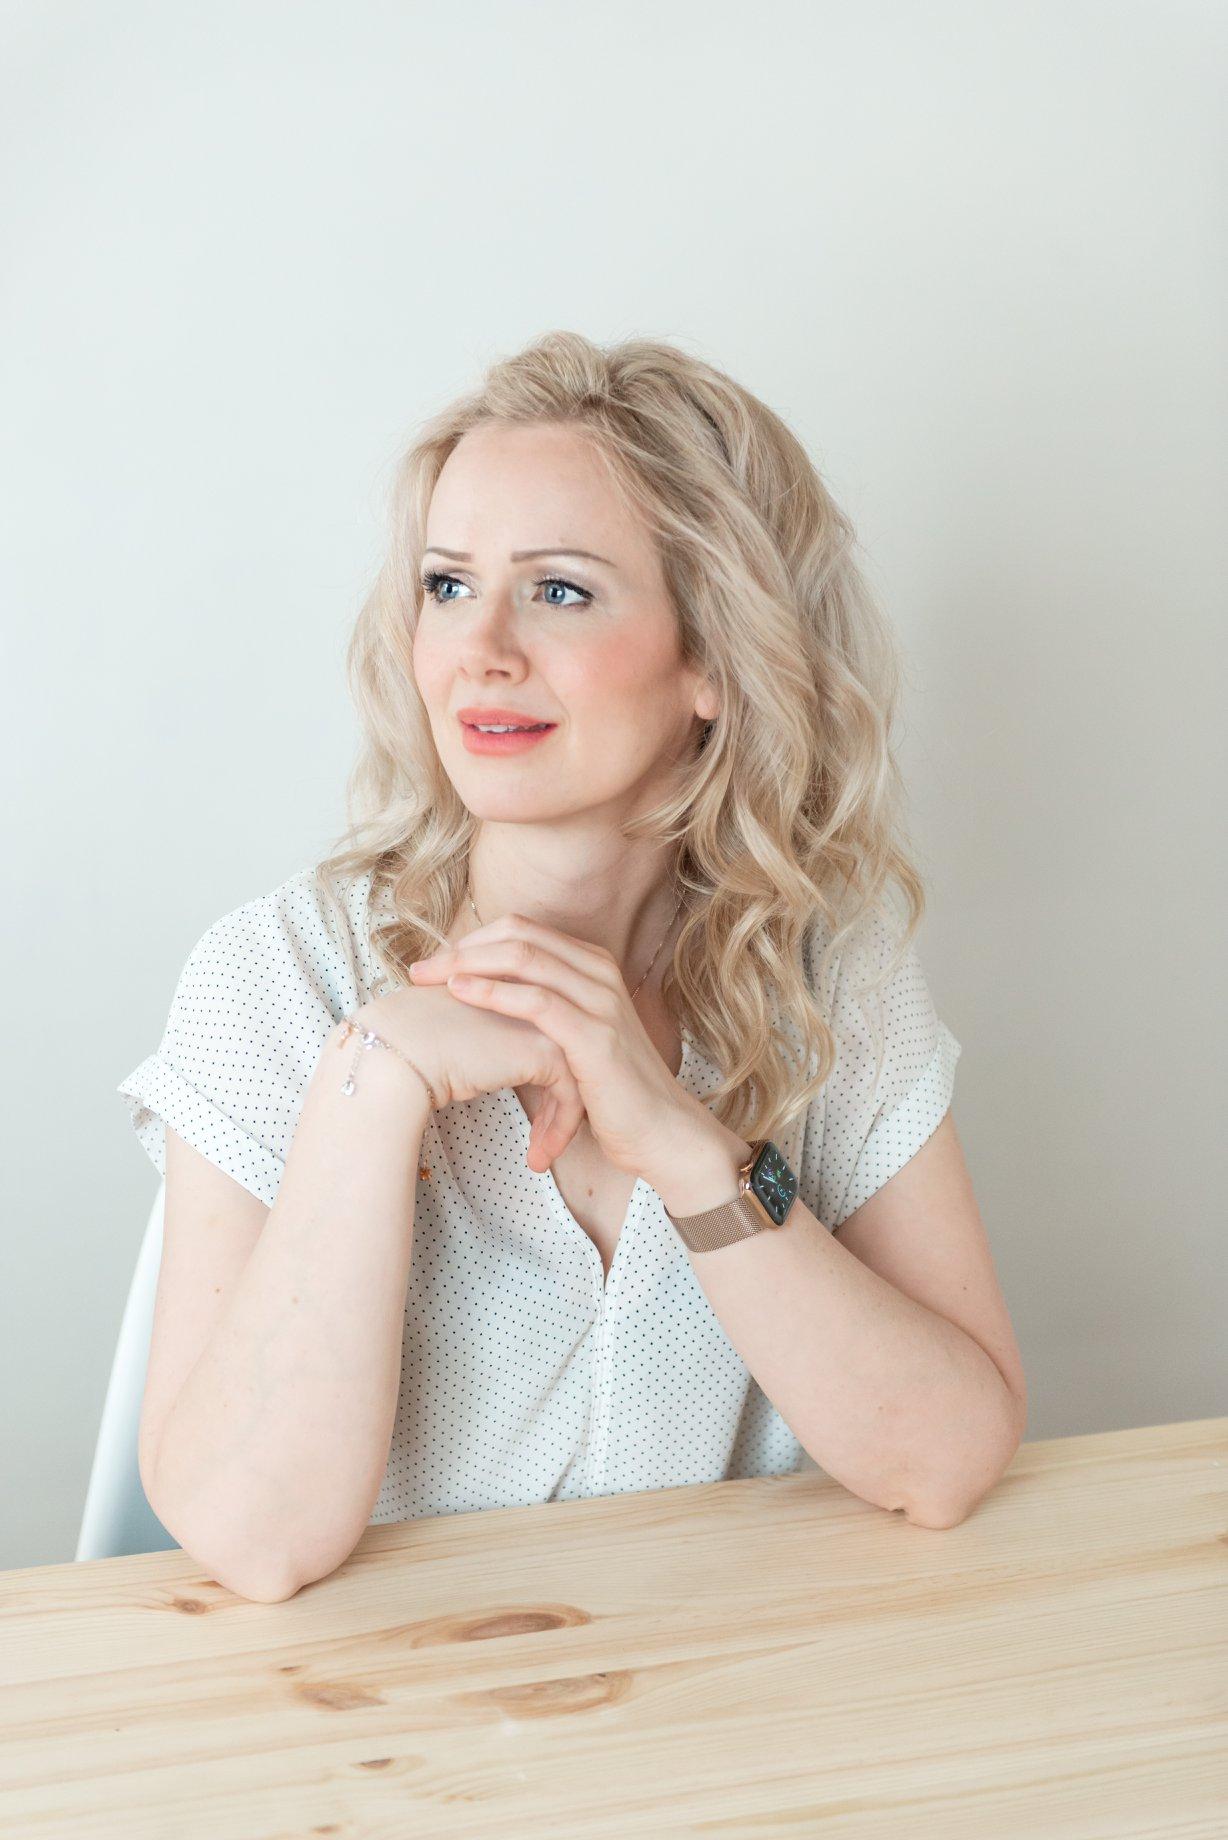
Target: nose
[490, 638]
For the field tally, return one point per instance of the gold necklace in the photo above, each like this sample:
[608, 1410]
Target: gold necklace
[656, 955]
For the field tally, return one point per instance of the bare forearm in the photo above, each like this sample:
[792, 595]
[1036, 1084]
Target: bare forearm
[894, 1401]
[272, 1456]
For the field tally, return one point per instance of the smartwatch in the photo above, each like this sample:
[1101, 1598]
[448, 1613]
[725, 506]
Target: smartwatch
[767, 1189]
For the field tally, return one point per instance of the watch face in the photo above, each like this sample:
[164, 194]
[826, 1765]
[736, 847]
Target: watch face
[774, 1182]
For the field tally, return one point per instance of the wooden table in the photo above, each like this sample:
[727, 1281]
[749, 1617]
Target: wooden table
[768, 1659]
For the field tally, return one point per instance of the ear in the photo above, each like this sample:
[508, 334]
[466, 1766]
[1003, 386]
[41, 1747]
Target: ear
[707, 705]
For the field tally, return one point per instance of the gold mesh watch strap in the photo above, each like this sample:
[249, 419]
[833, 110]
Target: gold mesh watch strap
[736, 1219]
[720, 1226]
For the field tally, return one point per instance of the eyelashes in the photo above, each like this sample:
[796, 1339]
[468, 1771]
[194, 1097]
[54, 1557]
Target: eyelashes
[433, 579]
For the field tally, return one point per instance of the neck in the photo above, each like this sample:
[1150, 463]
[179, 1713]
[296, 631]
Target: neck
[626, 901]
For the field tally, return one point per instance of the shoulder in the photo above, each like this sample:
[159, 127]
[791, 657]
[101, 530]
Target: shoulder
[893, 1075]
[876, 999]
[303, 935]
[870, 961]
[838, 964]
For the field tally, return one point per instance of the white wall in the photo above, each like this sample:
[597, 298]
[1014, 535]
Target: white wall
[974, 254]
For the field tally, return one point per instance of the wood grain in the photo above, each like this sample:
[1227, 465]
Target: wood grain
[740, 1660]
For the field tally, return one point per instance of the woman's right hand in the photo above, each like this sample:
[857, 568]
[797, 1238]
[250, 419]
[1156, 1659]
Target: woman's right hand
[464, 1051]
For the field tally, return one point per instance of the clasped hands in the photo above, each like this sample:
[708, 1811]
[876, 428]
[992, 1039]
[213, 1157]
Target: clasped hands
[574, 992]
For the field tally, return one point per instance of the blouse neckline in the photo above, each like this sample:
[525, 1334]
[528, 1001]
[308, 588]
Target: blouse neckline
[642, 1194]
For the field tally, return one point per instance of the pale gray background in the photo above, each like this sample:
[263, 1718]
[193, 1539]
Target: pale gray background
[974, 253]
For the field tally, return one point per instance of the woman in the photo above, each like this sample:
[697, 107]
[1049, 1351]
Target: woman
[571, 1229]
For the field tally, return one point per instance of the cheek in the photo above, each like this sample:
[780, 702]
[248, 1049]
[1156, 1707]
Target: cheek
[615, 671]
[428, 657]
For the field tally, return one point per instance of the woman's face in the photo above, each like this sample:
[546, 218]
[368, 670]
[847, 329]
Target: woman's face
[596, 651]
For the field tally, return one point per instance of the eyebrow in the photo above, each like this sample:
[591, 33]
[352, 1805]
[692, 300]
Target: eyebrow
[520, 555]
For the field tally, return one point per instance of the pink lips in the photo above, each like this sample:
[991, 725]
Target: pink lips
[478, 743]
[524, 718]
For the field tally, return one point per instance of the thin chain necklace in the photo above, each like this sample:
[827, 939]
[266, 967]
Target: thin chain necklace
[656, 955]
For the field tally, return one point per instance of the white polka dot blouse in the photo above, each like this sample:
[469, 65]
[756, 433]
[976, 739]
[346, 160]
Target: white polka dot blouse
[527, 1375]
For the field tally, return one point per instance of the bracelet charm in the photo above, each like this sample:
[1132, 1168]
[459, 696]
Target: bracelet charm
[367, 1038]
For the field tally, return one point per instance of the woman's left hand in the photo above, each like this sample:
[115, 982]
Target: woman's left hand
[574, 992]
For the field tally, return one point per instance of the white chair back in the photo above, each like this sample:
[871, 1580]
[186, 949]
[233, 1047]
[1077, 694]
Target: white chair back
[118, 1518]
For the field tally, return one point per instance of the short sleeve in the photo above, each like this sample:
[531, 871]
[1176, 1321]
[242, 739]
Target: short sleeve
[250, 1014]
[870, 1119]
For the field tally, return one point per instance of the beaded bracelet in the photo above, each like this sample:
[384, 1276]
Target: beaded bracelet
[369, 1039]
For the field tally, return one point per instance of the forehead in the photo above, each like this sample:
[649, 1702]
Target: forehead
[505, 488]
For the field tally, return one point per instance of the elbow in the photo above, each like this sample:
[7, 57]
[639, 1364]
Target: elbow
[245, 1557]
[272, 1588]
[940, 1511]
[263, 1581]
[266, 1583]
[262, 1576]
[949, 1505]
[304, 1567]
[936, 1517]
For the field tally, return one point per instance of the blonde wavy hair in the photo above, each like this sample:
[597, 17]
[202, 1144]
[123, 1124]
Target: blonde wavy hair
[788, 814]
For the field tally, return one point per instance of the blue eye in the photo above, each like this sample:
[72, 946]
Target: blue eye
[556, 581]
[433, 581]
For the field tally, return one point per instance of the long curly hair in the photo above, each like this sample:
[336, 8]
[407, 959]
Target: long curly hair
[786, 822]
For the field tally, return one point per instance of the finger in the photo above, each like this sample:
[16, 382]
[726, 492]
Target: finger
[560, 1119]
[546, 1147]
[522, 963]
[569, 1110]
[538, 1155]
[583, 1036]
[553, 1137]
[511, 928]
